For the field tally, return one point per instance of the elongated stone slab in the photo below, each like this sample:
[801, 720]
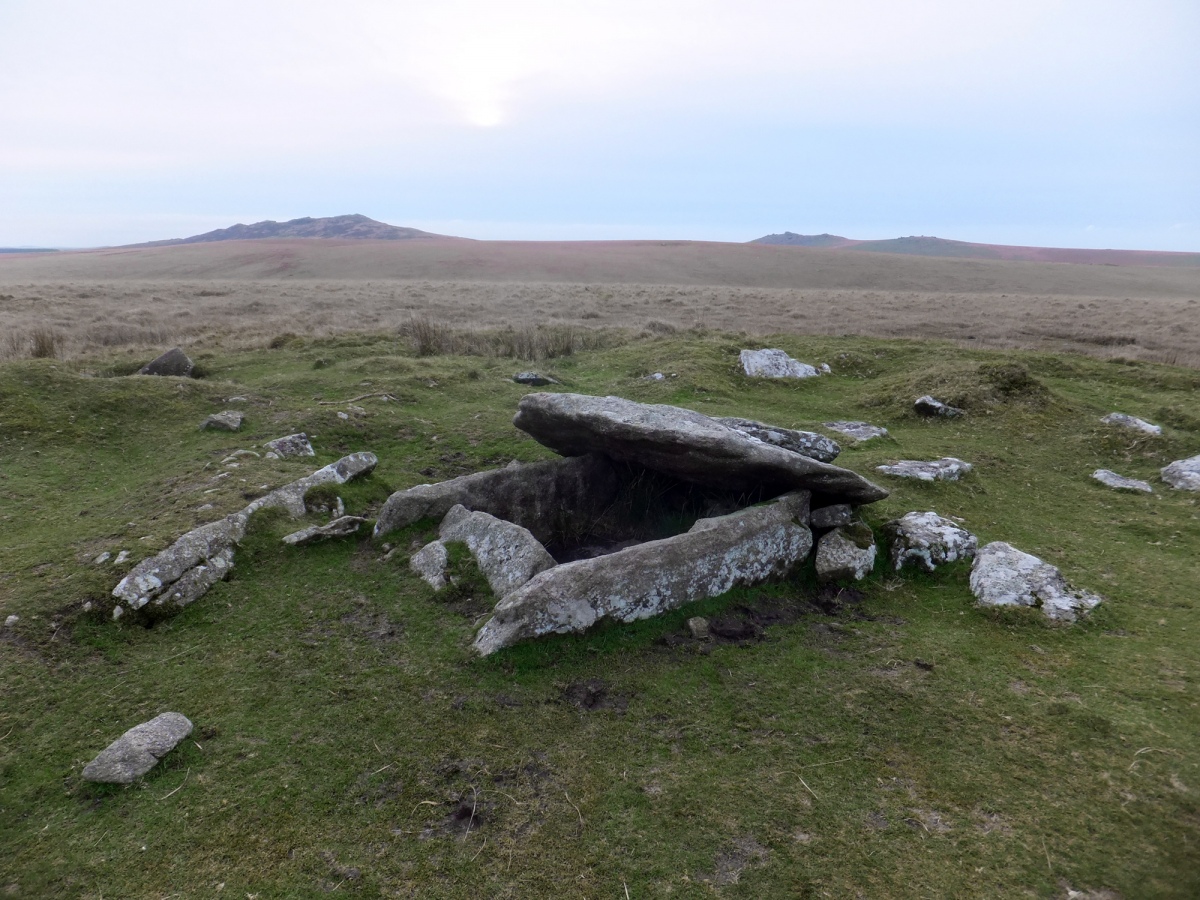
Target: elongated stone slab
[1121, 482]
[138, 750]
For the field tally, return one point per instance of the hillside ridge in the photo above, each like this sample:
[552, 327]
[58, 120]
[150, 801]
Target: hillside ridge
[353, 227]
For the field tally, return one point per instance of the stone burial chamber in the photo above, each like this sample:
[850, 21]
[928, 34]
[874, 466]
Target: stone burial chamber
[650, 508]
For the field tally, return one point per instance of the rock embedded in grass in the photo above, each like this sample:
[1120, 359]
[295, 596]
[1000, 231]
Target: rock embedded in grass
[948, 468]
[771, 363]
[1183, 474]
[533, 379]
[138, 750]
[806, 443]
[846, 554]
[860, 431]
[1002, 575]
[229, 420]
[343, 526]
[507, 554]
[172, 363]
[430, 563]
[1125, 421]
[928, 540]
[932, 408]
[291, 445]
[1120, 482]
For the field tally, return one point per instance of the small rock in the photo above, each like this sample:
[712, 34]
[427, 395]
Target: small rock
[657, 376]
[229, 420]
[121, 557]
[831, 516]
[1133, 422]
[533, 379]
[1183, 474]
[102, 558]
[291, 445]
[204, 506]
[945, 469]
[846, 553]
[342, 415]
[928, 540]
[698, 626]
[1120, 482]
[1004, 576]
[774, 364]
[430, 563]
[117, 612]
[173, 362]
[860, 431]
[239, 454]
[927, 406]
[340, 527]
[11, 621]
[138, 750]
[825, 370]
[235, 400]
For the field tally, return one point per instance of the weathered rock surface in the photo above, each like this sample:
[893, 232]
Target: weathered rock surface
[229, 420]
[1183, 474]
[774, 364]
[533, 379]
[291, 496]
[342, 526]
[430, 563]
[928, 406]
[1116, 418]
[834, 516]
[138, 750]
[1004, 576]
[1120, 482]
[679, 442]
[11, 621]
[173, 362]
[806, 443]
[194, 583]
[717, 554]
[945, 469]
[507, 554]
[928, 540]
[860, 431]
[846, 553]
[698, 628]
[536, 496]
[291, 445]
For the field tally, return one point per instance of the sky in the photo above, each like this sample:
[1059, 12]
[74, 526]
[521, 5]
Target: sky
[1070, 123]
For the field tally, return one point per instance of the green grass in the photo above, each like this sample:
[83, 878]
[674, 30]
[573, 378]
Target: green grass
[348, 740]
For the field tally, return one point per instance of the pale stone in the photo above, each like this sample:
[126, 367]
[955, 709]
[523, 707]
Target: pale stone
[928, 406]
[291, 445]
[507, 554]
[806, 443]
[1004, 576]
[846, 553]
[10, 621]
[102, 558]
[138, 750]
[229, 420]
[121, 557]
[860, 431]
[698, 627]
[1116, 418]
[342, 526]
[1183, 474]
[430, 563]
[1120, 482]
[774, 364]
[945, 469]
[928, 540]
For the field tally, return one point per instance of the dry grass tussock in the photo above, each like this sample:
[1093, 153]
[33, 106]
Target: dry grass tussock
[542, 320]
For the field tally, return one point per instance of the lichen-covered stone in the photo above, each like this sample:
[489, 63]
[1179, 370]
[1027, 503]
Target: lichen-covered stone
[151, 576]
[343, 526]
[806, 443]
[430, 563]
[860, 431]
[138, 750]
[846, 553]
[1183, 474]
[774, 364]
[928, 406]
[1120, 482]
[833, 516]
[744, 548]
[291, 496]
[291, 445]
[1124, 421]
[1002, 575]
[927, 540]
[945, 469]
[229, 420]
[507, 554]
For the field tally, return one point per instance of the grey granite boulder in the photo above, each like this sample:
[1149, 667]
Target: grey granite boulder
[290, 497]
[507, 554]
[945, 469]
[1124, 421]
[1120, 482]
[138, 750]
[430, 563]
[928, 540]
[682, 443]
[928, 406]
[1183, 474]
[533, 379]
[343, 526]
[1004, 576]
[806, 443]
[826, 517]
[860, 431]
[533, 495]
[229, 420]
[716, 555]
[846, 553]
[291, 445]
[774, 364]
[174, 362]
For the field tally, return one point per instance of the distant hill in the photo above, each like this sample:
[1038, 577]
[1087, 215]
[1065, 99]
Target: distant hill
[28, 250]
[934, 246]
[354, 227]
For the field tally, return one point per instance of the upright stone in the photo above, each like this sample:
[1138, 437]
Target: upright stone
[846, 553]
[174, 362]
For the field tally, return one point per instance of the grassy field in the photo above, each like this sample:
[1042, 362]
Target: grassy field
[888, 743]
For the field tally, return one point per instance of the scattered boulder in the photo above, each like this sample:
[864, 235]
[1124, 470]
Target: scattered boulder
[1004, 576]
[681, 443]
[716, 555]
[102, 558]
[138, 750]
[698, 628]
[291, 445]
[1120, 482]
[291, 496]
[654, 376]
[11, 621]
[1133, 422]
[535, 496]
[846, 554]
[774, 364]
[928, 406]
[1183, 474]
[945, 469]
[826, 517]
[507, 554]
[342, 526]
[229, 420]
[860, 431]
[430, 563]
[174, 362]
[928, 540]
[806, 443]
[533, 379]
[121, 557]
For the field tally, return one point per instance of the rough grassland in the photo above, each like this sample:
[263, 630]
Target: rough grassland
[904, 744]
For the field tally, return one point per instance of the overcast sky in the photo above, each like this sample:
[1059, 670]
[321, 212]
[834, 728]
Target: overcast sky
[1046, 122]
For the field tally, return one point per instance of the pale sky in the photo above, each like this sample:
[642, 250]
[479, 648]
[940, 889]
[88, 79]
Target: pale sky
[1047, 122]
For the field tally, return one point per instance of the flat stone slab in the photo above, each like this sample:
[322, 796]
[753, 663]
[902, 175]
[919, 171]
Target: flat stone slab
[533, 379]
[1120, 482]
[682, 443]
[927, 540]
[291, 445]
[507, 554]
[948, 468]
[1124, 421]
[806, 443]
[343, 526]
[229, 420]
[928, 406]
[1183, 474]
[172, 363]
[774, 364]
[831, 516]
[860, 431]
[716, 555]
[138, 750]
[1002, 575]
[846, 554]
